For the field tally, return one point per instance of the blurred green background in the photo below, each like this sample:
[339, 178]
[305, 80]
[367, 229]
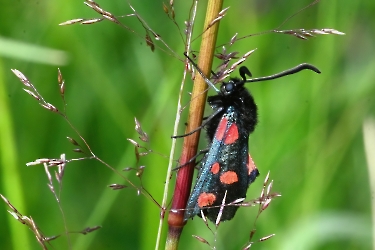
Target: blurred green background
[310, 134]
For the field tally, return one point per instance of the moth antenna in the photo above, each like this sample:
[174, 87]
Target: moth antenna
[243, 72]
[201, 73]
[291, 71]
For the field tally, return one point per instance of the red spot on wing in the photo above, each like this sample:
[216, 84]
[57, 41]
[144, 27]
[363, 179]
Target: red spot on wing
[229, 177]
[206, 199]
[250, 165]
[215, 168]
[220, 131]
[232, 134]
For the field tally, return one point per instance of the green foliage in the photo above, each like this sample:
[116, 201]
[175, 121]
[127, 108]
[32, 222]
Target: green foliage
[309, 135]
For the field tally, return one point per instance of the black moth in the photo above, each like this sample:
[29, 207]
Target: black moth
[227, 169]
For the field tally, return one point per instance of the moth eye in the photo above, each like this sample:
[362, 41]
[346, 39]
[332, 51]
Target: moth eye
[228, 88]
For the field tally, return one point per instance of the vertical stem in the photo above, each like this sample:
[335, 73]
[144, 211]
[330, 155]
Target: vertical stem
[185, 174]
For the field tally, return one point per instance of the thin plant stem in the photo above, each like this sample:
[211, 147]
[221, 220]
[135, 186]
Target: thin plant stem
[184, 178]
[175, 130]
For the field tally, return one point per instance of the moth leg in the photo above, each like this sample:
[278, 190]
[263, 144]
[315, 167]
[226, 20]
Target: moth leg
[202, 151]
[206, 121]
